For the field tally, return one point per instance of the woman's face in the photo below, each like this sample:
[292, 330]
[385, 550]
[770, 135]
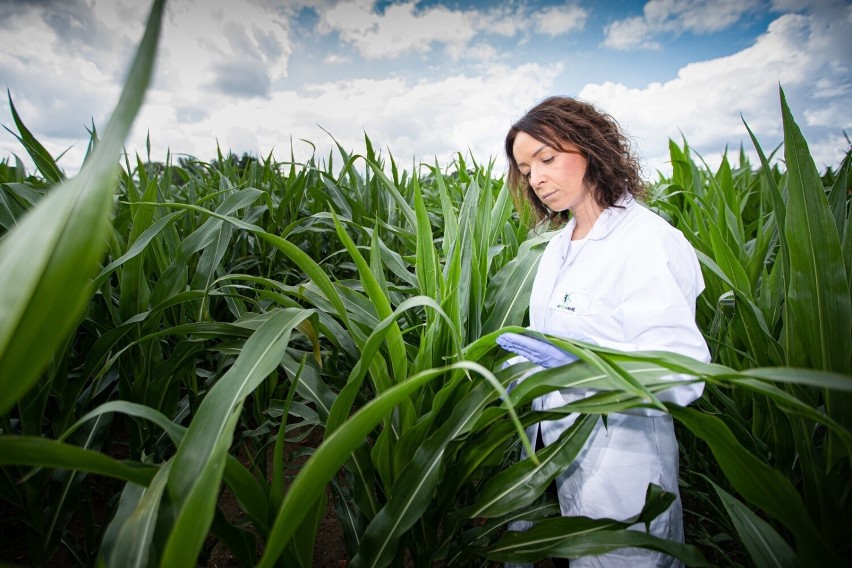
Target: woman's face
[555, 176]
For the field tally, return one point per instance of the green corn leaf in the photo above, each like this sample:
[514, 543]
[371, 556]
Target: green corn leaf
[195, 507]
[174, 431]
[313, 270]
[727, 260]
[791, 404]
[41, 452]
[414, 488]
[465, 267]
[510, 288]
[206, 238]
[393, 190]
[500, 213]
[758, 335]
[132, 542]
[573, 537]
[764, 545]
[522, 482]
[381, 304]
[240, 540]
[581, 375]
[611, 367]
[594, 544]
[42, 159]
[479, 537]
[804, 377]
[343, 402]
[818, 291]
[335, 450]
[426, 266]
[135, 291]
[758, 483]
[790, 338]
[243, 485]
[11, 209]
[47, 261]
[393, 260]
[276, 487]
[127, 502]
[139, 245]
[451, 221]
[201, 457]
[300, 550]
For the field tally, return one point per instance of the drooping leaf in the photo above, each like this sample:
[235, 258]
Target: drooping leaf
[764, 544]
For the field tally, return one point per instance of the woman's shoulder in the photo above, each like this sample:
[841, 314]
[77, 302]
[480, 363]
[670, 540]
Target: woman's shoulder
[651, 247]
[640, 219]
[644, 231]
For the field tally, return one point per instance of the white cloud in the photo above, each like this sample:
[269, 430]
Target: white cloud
[71, 73]
[825, 151]
[402, 28]
[697, 16]
[629, 33]
[222, 74]
[238, 47]
[705, 100]
[830, 102]
[336, 59]
[558, 20]
[62, 66]
[413, 119]
[506, 20]
[482, 51]
[675, 17]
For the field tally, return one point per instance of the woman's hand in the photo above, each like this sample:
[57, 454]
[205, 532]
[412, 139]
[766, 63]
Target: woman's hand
[537, 351]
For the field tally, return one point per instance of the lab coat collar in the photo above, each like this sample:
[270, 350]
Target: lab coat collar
[557, 250]
[611, 217]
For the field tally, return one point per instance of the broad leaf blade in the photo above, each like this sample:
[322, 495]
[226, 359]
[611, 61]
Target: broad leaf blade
[764, 545]
[47, 261]
[818, 291]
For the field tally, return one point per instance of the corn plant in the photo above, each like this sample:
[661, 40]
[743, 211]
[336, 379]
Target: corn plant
[775, 248]
[46, 261]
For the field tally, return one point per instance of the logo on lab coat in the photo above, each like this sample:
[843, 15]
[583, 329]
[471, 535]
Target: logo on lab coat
[572, 302]
[565, 304]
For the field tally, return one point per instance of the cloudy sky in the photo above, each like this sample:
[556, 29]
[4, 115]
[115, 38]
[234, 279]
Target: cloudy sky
[427, 79]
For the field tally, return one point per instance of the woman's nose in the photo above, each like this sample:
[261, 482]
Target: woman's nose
[535, 177]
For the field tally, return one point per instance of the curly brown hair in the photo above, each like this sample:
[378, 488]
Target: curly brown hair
[612, 169]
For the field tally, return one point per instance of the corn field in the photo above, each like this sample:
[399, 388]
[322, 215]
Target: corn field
[303, 338]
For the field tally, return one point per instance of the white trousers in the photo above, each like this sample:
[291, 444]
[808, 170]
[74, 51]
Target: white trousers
[610, 477]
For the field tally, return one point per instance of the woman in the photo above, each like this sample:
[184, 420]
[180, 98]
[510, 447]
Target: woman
[617, 275]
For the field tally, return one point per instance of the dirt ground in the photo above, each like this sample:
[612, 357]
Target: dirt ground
[329, 547]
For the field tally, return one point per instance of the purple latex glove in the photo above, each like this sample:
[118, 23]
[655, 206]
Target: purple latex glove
[535, 350]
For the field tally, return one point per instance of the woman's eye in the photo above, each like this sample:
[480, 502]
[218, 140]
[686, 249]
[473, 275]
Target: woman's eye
[527, 175]
[548, 160]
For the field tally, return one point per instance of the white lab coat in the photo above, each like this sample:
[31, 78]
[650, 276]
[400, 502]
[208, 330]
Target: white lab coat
[631, 285]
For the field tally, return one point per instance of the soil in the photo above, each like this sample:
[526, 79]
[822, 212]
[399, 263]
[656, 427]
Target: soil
[329, 546]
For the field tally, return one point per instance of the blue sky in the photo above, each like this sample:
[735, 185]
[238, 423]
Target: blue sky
[428, 79]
